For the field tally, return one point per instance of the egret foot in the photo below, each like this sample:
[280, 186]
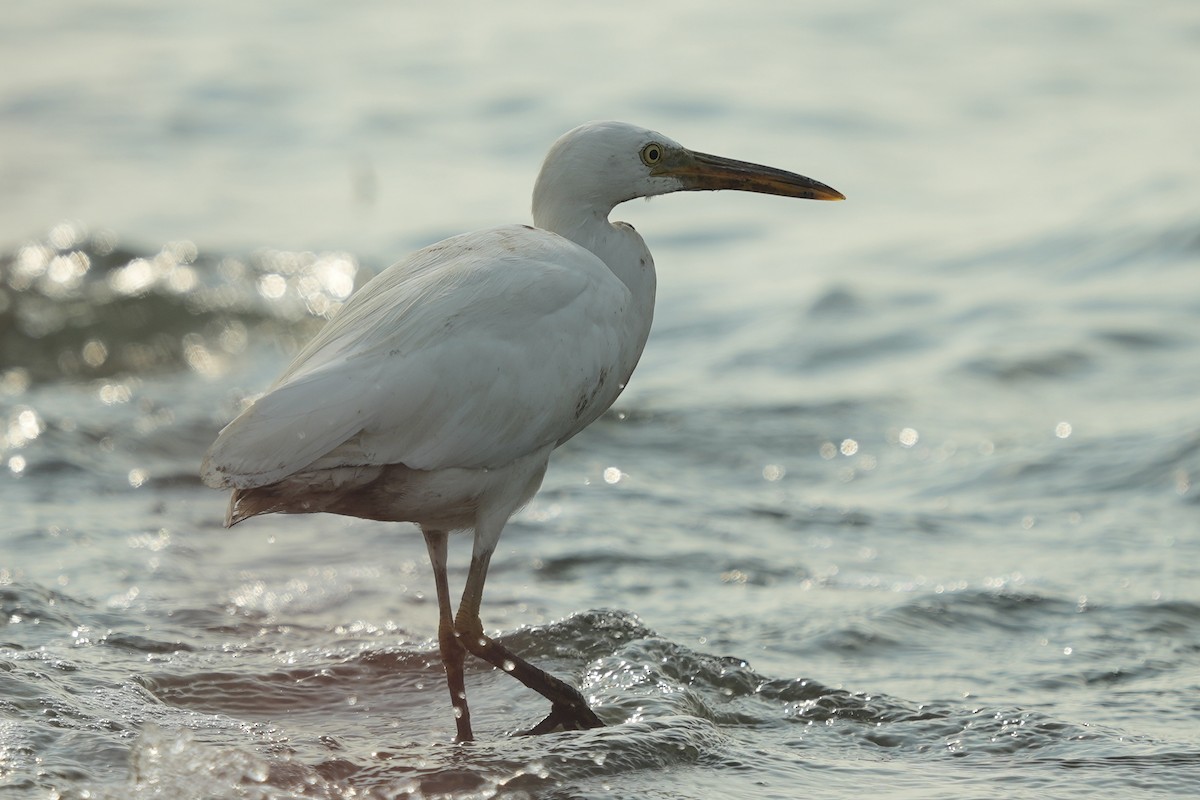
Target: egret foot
[568, 710]
[567, 718]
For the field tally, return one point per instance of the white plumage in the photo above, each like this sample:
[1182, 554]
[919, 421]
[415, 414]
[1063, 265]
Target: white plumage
[470, 354]
[437, 393]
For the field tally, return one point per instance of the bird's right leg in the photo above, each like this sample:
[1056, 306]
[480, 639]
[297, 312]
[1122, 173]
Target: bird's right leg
[568, 708]
[451, 649]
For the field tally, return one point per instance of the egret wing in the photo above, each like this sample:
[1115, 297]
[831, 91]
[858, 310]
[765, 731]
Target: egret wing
[470, 353]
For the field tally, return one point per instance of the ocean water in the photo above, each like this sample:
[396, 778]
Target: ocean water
[902, 500]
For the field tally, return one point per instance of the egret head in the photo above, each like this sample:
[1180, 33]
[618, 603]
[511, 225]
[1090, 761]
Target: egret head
[600, 164]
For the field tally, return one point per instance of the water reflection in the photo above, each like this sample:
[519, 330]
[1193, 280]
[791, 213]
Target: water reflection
[79, 306]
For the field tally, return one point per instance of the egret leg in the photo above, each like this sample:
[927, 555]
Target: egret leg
[568, 709]
[451, 649]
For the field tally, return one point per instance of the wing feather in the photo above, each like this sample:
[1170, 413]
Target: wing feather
[470, 353]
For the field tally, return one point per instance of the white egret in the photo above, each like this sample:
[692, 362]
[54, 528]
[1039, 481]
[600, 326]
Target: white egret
[437, 393]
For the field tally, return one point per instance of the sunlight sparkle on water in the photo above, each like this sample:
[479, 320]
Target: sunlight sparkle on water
[65, 273]
[30, 263]
[182, 279]
[272, 286]
[23, 427]
[197, 355]
[135, 277]
[114, 393]
[67, 233]
[94, 353]
[14, 381]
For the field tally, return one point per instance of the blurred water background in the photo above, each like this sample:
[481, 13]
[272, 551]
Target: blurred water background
[901, 502]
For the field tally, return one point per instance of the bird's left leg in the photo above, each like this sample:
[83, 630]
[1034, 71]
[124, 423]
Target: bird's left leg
[569, 710]
[451, 649]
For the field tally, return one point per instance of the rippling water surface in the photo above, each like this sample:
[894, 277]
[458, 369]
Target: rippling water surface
[901, 502]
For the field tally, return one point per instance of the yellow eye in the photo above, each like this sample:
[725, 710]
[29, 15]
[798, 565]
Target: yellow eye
[652, 154]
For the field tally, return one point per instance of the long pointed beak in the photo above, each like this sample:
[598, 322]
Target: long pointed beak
[704, 172]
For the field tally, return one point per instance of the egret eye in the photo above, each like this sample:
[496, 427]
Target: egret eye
[652, 154]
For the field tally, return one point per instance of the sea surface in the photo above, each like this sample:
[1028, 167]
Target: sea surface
[903, 500]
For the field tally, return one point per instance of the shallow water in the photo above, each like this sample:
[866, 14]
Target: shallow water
[901, 500]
